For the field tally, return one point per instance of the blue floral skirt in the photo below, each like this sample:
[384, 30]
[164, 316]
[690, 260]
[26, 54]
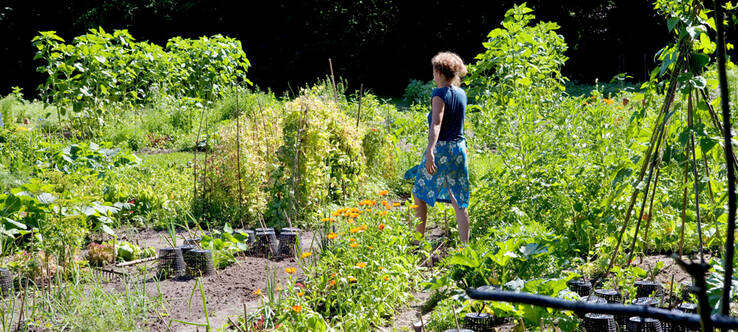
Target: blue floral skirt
[452, 175]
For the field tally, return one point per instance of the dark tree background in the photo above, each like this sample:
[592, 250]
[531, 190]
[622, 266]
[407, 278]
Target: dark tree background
[382, 44]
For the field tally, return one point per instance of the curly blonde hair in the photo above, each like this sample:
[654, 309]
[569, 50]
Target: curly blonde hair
[449, 65]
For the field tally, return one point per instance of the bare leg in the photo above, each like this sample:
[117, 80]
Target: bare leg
[421, 212]
[462, 219]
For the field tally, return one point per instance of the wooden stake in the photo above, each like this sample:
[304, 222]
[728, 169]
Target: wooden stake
[333, 79]
[358, 114]
[684, 202]
[238, 163]
[456, 319]
[690, 121]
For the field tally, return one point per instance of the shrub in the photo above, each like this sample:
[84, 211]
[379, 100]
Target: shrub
[325, 164]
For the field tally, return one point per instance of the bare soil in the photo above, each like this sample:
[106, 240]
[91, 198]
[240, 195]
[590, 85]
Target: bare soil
[227, 292]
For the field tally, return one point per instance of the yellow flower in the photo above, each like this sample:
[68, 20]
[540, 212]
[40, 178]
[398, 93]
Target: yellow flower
[332, 236]
[386, 278]
[388, 207]
[290, 270]
[351, 279]
[380, 268]
[368, 210]
[370, 247]
[351, 221]
[384, 203]
[352, 240]
[279, 288]
[608, 101]
[383, 193]
[414, 206]
[301, 294]
[306, 254]
[325, 219]
[354, 245]
[296, 308]
[383, 213]
[396, 204]
[333, 275]
[336, 214]
[361, 265]
[257, 291]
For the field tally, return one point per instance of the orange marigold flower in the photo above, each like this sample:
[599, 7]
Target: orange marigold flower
[361, 265]
[333, 283]
[380, 268]
[306, 254]
[388, 207]
[362, 227]
[381, 227]
[368, 210]
[384, 203]
[325, 219]
[383, 193]
[396, 204]
[279, 288]
[370, 247]
[257, 291]
[332, 236]
[352, 240]
[386, 278]
[351, 279]
[333, 275]
[296, 308]
[354, 230]
[351, 221]
[300, 294]
[290, 270]
[354, 245]
[383, 213]
[414, 206]
[336, 214]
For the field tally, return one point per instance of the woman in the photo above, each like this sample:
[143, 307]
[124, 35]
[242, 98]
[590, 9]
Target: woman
[443, 175]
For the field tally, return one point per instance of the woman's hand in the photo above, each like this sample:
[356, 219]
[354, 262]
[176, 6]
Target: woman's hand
[430, 162]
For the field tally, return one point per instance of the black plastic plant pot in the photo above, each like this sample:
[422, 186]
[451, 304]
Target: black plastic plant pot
[265, 244]
[6, 282]
[171, 263]
[591, 299]
[610, 295]
[639, 324]
[580, 286]
[599, 322]
[648, 288]
[199, 263]
[689, 308]
[483, 322]
[287, 240]
[264, 230]
[647, 301]
[185, 248]
[667, 326]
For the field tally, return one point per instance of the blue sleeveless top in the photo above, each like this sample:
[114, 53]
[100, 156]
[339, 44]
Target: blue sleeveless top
[452, 124]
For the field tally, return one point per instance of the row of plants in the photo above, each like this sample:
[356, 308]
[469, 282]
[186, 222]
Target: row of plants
[366, 267]
[101, 72]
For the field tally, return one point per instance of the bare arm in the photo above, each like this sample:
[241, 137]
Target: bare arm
[437, 109]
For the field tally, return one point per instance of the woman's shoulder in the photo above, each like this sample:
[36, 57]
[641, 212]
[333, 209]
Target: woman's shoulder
[440, 92]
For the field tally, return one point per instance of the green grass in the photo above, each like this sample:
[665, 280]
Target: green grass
[83, 307]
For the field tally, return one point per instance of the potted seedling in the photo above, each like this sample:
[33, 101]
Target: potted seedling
[171, 260]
